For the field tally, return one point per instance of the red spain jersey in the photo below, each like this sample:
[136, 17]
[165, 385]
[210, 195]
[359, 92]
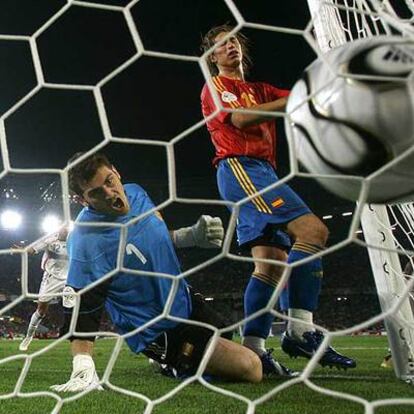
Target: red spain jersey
[257, 141]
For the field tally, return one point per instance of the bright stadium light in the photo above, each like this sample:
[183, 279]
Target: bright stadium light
[10, 220]
[50, 224]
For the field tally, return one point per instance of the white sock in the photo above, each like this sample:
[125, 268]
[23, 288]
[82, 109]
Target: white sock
[297, 329]
[255, 343]
[34, 323]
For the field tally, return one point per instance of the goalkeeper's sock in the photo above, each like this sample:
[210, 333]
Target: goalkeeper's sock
[304, 287]
[258, 292]
[34, 323]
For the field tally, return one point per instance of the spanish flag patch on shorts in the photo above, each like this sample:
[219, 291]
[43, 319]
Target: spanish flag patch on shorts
[278, 202]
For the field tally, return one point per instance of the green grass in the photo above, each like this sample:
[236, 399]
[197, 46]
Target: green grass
[131, 372]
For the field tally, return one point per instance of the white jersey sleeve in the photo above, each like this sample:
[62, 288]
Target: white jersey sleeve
[55, 257]
[41, 245]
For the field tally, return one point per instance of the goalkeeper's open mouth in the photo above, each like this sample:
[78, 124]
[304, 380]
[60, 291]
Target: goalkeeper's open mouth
[119, 206]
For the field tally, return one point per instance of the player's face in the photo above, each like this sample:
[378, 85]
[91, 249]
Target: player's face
[105, 192]
[63, 234]
[229, 54]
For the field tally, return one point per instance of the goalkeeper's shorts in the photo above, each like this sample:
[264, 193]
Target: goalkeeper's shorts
[183, 347]
[263, 218]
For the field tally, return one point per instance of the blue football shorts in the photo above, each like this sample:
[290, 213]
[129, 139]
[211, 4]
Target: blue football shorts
[263, 217]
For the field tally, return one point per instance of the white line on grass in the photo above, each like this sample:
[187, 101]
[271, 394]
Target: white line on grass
[368, 348]
[348, 377]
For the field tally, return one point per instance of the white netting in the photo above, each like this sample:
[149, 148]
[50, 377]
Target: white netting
[361, 18]
[337, 22]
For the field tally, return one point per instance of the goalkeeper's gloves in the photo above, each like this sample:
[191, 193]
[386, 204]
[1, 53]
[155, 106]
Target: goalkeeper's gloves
[208, 233]
[83, 376]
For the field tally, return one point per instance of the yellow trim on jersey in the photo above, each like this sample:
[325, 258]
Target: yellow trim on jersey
[219, 83]
[247, 185]
[221, 88]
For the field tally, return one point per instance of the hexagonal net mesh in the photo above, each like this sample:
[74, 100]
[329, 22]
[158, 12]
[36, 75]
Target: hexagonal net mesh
[338, 22]
[334, 23]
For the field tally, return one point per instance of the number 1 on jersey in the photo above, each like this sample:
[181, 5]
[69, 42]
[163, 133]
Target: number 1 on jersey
[131, 249]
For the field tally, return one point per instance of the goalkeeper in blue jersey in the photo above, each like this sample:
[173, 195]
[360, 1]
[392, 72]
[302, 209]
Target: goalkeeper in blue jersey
[131, 299]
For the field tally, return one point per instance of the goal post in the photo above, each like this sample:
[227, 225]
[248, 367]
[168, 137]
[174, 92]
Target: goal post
[336, 22]
[391, 288]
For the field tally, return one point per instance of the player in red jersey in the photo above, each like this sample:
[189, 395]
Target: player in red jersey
[245, 146]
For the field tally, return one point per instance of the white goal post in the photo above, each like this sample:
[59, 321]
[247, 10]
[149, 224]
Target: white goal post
[336, 22]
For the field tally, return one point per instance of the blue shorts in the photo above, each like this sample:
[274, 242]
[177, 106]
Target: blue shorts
[261, 217]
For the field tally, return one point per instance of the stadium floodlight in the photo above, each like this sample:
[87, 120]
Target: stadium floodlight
[10, 220]
[51, 223]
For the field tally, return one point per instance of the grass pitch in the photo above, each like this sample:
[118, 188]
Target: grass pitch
[367, 382]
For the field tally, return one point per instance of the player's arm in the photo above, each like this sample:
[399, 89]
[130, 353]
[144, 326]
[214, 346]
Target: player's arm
[38, 246]
[207, 232]
[83, 375]
[243, 120]
[31, 250]
[277, 103]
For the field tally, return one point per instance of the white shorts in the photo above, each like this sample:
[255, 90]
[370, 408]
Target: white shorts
[50, 284]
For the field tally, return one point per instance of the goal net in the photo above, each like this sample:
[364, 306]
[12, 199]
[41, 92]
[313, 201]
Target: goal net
[388, 231]
[389, 242]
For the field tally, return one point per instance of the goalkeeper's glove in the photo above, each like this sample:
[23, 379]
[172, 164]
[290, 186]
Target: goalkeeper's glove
[83, 376]
[208, 233]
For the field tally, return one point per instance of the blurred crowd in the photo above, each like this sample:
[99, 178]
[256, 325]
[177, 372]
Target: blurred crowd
[348, 296]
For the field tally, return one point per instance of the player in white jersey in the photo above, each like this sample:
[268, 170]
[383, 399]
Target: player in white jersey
[55, 270]
[208, 232]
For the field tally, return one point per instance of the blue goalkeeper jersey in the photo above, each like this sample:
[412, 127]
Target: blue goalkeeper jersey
[131, 300]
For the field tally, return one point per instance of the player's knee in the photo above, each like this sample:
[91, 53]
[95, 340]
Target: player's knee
[252, 368]
[320, 232]
[42, 308]
[310, 229]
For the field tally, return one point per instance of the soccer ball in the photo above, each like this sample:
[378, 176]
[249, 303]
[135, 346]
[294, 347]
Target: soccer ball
[343, 125]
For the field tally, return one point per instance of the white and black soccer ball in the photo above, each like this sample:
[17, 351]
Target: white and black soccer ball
[342, 125]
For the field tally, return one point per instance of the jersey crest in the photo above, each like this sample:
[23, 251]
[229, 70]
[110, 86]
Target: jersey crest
[228, 97]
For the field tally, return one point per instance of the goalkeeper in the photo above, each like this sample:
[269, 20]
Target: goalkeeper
[135, 300]
[208, 232]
